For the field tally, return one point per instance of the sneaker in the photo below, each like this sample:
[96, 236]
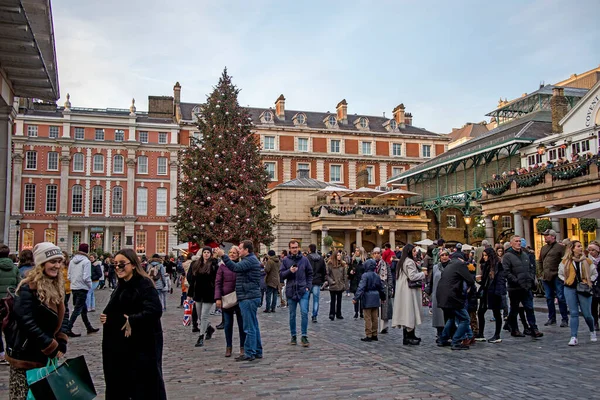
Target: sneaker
[459, 346]
[480, 339]
[293, 342]
[593, 337]
[564, 323]
[366, 339]
[573, 341]
[550, 322]
[314, 319]
[305, 341]
[495, 339]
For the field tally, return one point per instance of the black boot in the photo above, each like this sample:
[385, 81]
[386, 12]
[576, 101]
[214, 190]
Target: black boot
[209, 332]
[407, 339]
[414, 336]
[200, 341]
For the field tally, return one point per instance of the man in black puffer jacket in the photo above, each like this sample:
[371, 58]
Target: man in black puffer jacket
[520, 275]
[319, 273]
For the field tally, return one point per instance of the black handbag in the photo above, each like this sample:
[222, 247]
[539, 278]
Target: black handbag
[584, 289]
[596, 289]
[412, 284]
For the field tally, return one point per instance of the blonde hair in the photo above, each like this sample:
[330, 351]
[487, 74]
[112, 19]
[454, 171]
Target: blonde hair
[49, 290]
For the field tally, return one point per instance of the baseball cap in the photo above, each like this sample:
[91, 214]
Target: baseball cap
[550, 232]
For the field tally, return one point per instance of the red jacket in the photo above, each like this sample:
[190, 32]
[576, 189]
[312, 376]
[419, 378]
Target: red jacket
[387, 256]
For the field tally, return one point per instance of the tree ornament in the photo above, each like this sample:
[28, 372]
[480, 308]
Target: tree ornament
[218, 106]
[195, 179]
[208, 198]
[226, 112]
[212, 223]
[226, 231]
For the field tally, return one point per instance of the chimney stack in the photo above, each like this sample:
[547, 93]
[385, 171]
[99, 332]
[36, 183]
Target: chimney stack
[408, 119]
[400, 116]
[280, 107]
[177, 101]
[342, 112]
[558, 107]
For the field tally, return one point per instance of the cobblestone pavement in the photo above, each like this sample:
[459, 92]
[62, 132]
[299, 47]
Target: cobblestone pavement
[338, 365]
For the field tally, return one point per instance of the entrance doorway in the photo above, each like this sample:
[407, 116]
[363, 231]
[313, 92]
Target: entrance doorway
[96, 239]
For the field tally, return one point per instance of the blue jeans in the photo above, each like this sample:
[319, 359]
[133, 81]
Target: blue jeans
[228, 325]
[316, 291]
[461, 319]
[575, 301]
[91, 297]
[253, 343]
[555, 288]
[303, 312]
[271, 298]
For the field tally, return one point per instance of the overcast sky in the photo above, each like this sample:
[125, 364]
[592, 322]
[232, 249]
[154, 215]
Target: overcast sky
[448, 61]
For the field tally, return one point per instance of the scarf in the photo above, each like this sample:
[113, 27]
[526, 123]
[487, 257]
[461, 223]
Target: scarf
[584, 268]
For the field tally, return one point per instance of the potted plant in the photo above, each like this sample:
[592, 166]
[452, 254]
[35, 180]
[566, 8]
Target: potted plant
[588, 224]
[328, 241]
[542, 225]
[478, 232]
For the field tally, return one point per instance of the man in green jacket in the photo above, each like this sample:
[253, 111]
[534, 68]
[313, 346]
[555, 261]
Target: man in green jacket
[9, 278]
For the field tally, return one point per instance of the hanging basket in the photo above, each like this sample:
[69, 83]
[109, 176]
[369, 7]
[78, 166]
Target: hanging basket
[328, 241]
[542, 225]
[588, 224]
[478, 232]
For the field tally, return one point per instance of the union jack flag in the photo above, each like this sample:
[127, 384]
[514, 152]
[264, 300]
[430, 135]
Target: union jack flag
[187, 312]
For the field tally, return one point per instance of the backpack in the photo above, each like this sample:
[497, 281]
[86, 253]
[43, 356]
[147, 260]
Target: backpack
[7, 318]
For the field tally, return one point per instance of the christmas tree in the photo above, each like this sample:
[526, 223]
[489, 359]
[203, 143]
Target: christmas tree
[221, 195]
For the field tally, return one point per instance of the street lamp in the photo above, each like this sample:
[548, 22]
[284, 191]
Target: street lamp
[380, 230]
[467, 219]
[18, 225]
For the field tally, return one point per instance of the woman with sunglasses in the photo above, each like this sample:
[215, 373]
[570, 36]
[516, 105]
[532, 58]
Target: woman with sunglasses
[132, 341]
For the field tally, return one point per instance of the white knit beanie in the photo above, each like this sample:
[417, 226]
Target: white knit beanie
[45, 251]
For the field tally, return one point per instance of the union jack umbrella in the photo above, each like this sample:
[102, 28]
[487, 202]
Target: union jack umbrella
[187, 312]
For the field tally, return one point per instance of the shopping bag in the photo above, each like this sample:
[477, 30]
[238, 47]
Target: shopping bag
[187, 312]
[70, 380]
[35, 374]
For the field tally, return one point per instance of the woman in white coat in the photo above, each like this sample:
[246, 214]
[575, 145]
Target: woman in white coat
[407, 302]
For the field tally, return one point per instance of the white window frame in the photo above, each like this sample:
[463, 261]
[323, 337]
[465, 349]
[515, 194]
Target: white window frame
[119, 135]
[120, 163]
[79, 133]
[97, 191]
[98, 167]
[423, 147]
[163, 137]
[332, 121]
[29, 197]
[397, 170]
[552, 155]
[31, 160]
[142, 167]
[161, 242]
[143, 136]
[339, 147]
[507, 222]
[451, 221]
[50, 235]
[371, 172]
[141, 206]
[75, 156]
[393, 124]
[397, 146]
[77, 190]
[161, 202]
[99, 134]
[32, 131]
[51, 198]
[341, 173]
[141, 240]
[306, 141]
[53, 132]
[161, 169]
[274, 164]
[366, 146]
[52, 162]
[117, 200]
[304, 169]
[363, 123]
[267, 144]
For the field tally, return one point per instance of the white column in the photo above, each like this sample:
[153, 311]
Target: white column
[174, 137]
[63, 205]
[130, 186]
[555, 223]
[129, 231]
[314, 237]
[17, 183]
[382, 174]
[107, 199]
[5, 171]
[490, 235]
[287, 169]
[347, 243]
[86, 200]
[423, 235]
[324, 233]
[518, 222]
[527, 231]
[172, 191]
[359, 237]
[352, 174]
[320, 170]
[86, 235]
[62, 232]
[393, 238]
[108, 162]
[107, 239]
[66, 132]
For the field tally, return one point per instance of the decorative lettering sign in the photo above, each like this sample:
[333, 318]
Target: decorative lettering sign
[590, 111]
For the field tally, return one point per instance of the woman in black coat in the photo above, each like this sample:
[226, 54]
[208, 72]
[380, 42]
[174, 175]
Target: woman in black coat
[355, 271]
[132, 341]
[491, 291]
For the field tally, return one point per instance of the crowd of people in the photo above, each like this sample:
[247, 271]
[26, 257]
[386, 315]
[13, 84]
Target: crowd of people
[575, 158]
[389, 289]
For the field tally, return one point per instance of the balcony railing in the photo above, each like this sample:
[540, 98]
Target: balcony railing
[345, 210]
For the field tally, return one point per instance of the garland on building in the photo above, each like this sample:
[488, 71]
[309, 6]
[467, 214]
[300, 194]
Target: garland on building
[406, 211]
[574, 172]
[530, 180]
[497, 190]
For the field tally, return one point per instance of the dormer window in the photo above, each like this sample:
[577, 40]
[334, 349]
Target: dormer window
[331, 120]
[393, 124]
[364, 123]
[299, 119]
[196, 113]
[267, 117]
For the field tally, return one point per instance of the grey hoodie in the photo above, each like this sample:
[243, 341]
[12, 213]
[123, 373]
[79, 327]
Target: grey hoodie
[80, 272]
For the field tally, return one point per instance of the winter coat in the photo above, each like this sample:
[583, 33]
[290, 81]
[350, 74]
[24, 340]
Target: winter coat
[225, 281]
[450, 291]
[407, 301]
[336, 276]
[40, 331]
[496, 286]
[133, 365]
[388, 255]
[157, 273]
[263, 277]
[9, 275]
[297, 283]
[272, 270]
[25, 268]
[520, 273]
[97, 271]
[550, 257]
[80, 272]
[437, 317]
[202, 286]
[358, 268]
[387, 280]
[319, 269]
[370, 288]
[248, 275]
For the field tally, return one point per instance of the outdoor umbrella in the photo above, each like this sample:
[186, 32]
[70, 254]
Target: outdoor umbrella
[397, 194]
[329, 190]
[591, 210]
[425, 242]
[363, 193]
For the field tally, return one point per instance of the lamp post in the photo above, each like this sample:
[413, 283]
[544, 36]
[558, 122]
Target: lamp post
[467, 219]
[18, 225]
